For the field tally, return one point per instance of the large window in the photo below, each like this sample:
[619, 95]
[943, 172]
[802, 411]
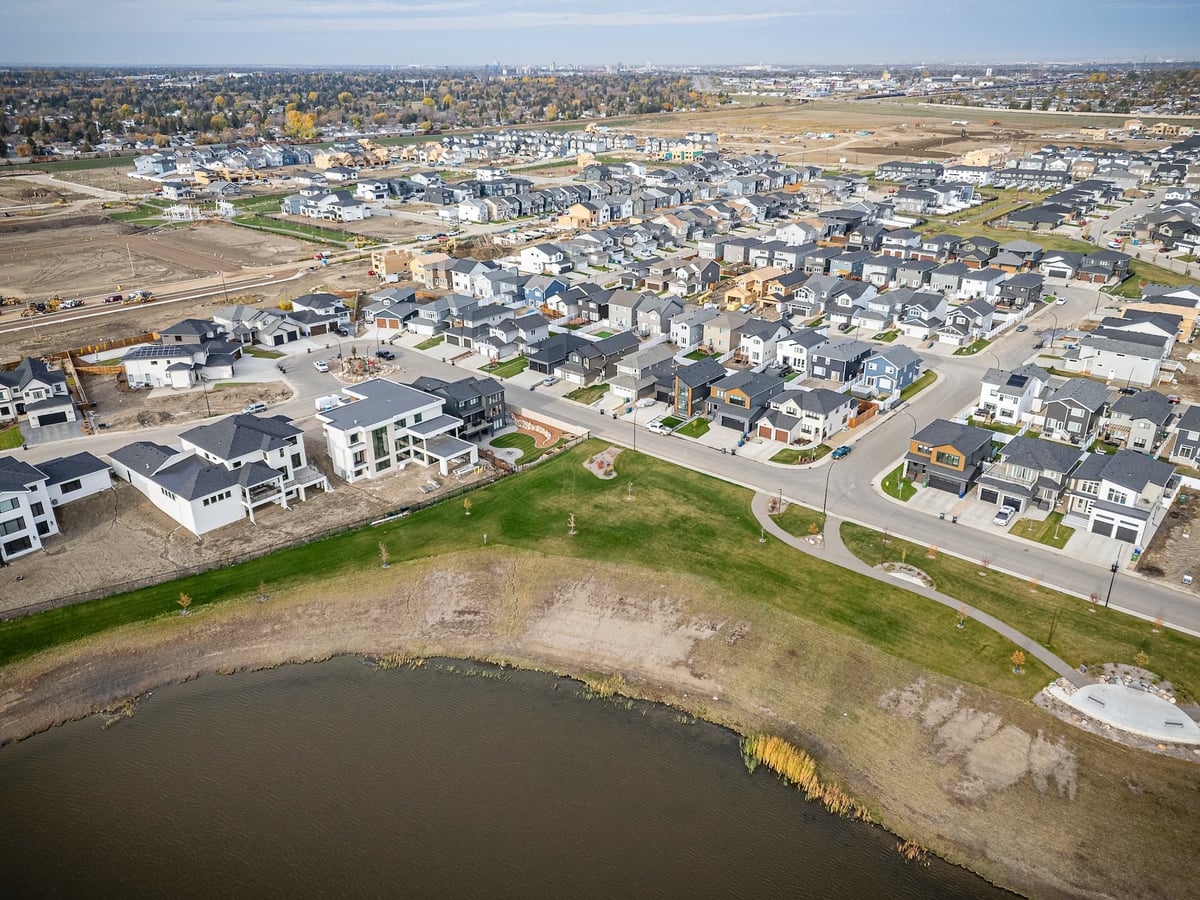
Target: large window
[12, 526]
[953, 460]
[1116, 496]
[9, 504]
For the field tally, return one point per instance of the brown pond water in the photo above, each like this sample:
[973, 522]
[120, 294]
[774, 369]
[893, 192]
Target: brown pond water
[339, 780]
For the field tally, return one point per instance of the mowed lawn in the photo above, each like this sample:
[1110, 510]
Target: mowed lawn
[1083, 633]
[706, 524]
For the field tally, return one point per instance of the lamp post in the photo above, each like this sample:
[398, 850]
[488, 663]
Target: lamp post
[825, 499]
[1054, 333]
[204, 385]
[1116, 566]
[224, 290]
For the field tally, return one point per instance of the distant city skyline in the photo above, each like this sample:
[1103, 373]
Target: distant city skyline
[314, 33]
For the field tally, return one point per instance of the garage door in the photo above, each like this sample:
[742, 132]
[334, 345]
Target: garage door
[52, 418]
[729, 422]
[987, 495]
[943, 484]
[1099, 526]
[1127, 534]
[1059, 273]
[1014, 502]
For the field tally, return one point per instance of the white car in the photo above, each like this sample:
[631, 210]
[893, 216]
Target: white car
[658, 428]
[1004, 515]
[1060, 301]
[320, 365]
[550, 380]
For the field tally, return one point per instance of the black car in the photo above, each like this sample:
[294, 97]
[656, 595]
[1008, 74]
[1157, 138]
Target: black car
[385, 354]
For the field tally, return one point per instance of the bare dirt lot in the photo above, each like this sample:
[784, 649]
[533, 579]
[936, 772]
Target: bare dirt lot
[125, 410]
[110, 179]
[240, 246]
[785, 128]
[1175, 549]
[14, 192]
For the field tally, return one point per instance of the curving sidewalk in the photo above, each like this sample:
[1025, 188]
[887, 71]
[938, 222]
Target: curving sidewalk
[834, 551]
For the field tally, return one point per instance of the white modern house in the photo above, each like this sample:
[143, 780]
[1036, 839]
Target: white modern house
[383, 425]
[34, 390]
[223, 472]
[29, 494]
[1012, 397]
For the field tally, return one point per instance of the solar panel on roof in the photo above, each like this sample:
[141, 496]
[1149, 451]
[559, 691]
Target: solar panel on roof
[1017, 381]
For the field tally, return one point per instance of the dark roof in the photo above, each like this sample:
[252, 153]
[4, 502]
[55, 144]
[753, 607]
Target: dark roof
[67, 467]
[1041, 456]
[16, 474]
[701, 372]
[241, 434]
[1083, 392]
[944, 433]
[1144, 405]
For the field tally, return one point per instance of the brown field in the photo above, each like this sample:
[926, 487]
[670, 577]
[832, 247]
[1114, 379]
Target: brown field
[780, 127]
[91, 255]
[16, 191]
[113, 179]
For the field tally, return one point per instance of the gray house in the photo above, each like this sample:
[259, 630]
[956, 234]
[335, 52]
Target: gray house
[1186, 449]
[1029, 472]
[1074, 410]
[1139, 421]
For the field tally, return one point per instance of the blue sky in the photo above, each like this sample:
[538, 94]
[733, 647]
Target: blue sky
[400, 32]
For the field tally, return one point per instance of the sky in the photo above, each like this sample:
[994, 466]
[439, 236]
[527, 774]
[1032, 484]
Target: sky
[307, 33]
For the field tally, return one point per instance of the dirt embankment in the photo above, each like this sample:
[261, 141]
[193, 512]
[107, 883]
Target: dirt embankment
[992, 783]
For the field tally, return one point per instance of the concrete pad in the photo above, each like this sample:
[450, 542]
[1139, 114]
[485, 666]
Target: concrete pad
[1131, 709]
[1098, 549]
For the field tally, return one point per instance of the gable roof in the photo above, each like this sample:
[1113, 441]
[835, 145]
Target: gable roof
[241, 434]
[944, 433]
[1041, 456]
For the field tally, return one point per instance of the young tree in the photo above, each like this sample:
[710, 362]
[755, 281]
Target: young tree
[1018, 660]
[1141, 659]
[184, 601]
[467, 505]
[383, 555]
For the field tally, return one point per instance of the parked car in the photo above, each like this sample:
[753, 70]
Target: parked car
[114, 298]
[320, 365]
[385, 354]
[1021, 328]
[1060, 301]
[658, 428]
[549, 381]
[1003, 515]
[1174, 398]
[255, 408]
[841, 452]
[1127, 391]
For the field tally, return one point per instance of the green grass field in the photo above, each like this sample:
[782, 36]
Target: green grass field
[431, 343]
[588, 395]
[695, 428]
[10, 438]
[1050, 531]
[896, 485]
[507, 369]
[927, 378]
[526, 444]
[1083, 633]
[527, 512]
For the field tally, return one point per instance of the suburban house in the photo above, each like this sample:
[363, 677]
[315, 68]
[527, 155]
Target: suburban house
[638, 372]
[186, 353]
[29, 494]
[320, 313]
[1125, 495]
[592, 361]
[655, 314]
[385, 425]
[623, 306]
[478, 402]
[983, 283]
[795, 350]
[760, 340]
[1073, 411]
[806, 417]
[693, 384]
[687, 328]
[1118, 355]
[1012, 397]
[967, 323]
[724, 332]
[544, 259]
[1139, 421]
[547, 355]
[923, 315]
[948, 456]
[1186, 448]
[390, 308]
[891, 370]
[223, 472]
[34, 390]
[1029, 472]
[1020, 290]
[840, 361]
[739, 399]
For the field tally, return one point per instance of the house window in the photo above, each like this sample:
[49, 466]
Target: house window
[167, 494]
[1185, 452]
[9, 504]
[953, 460]
[1116, 496]
[12, 526]
[37, 509]
[924, 449]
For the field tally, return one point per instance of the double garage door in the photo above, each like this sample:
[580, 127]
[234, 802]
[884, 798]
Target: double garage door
[57, 418]
[991, 495]
[1118, 530]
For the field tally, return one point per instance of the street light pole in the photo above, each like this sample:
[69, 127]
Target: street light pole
[825, 499]
[1054, 333]
[1115, 568]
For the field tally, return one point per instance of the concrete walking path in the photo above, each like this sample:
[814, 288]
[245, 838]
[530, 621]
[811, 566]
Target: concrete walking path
[834, 551]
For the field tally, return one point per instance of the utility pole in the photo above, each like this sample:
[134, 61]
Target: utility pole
[1115, 568]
